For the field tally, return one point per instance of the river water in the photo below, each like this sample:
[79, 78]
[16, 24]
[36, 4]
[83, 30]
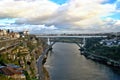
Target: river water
[66, 63]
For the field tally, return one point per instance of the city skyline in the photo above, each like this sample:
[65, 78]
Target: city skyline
[60, 16]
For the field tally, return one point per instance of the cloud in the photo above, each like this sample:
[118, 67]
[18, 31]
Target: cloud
[27, 9]
[117, 23]
[75, 14]
[31, 28]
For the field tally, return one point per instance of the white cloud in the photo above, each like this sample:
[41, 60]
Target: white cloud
[82, 14]
[25, 9]
[117, 23]
[31, 28]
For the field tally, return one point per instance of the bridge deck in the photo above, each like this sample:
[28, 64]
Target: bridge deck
[70, 36]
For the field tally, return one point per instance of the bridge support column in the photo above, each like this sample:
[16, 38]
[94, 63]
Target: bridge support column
[84, 42]
[48, 41]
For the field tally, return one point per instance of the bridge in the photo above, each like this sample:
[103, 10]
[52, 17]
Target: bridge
[84, 36]
[79, 40]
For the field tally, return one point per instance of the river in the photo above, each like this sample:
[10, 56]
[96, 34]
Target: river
[64, 62]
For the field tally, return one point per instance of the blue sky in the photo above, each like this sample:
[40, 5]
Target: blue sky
[115, 16]
[7, 21]
[110, 1]
[59, 1]
[56, 16]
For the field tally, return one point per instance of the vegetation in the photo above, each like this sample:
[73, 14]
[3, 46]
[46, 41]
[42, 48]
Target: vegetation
[93, 46]
[27, 75]
[25, 55]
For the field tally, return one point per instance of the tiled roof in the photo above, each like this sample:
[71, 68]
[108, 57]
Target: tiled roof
[7, 70]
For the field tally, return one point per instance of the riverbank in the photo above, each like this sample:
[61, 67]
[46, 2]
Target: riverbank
[101, 59]
[41, 61]
[108, 55]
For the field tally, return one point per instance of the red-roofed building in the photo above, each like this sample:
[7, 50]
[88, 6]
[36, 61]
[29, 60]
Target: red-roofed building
[12, 72]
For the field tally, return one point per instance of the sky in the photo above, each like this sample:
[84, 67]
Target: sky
[60, 16]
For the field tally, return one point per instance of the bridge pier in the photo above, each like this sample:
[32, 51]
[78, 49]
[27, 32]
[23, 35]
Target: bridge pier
[48, 41]
[84, 42]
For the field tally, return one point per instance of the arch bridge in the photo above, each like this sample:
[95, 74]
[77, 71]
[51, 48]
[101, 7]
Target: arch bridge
[79, 40]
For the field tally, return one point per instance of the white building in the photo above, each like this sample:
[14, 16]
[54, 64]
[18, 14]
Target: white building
[26, 32]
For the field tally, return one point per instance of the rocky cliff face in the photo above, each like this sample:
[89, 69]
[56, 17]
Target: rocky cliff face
[25, 55]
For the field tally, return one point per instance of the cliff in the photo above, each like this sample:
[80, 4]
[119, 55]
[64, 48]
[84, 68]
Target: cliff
[24, 55]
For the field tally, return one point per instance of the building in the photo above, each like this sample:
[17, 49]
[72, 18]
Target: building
[26, 32]
[110, 42]
[12, 71]
[3, 32]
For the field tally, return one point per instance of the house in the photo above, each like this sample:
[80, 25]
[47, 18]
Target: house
[17, 35]
[14, 35]
[111, 42]
[26, 32]
[118, 42]
[1, 32]
[4, 32]
[12, 71]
